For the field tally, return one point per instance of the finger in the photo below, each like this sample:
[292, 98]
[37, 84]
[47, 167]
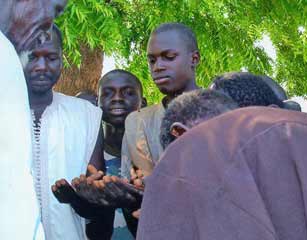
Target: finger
[106, 179]
[95, 176]
[133, 173]
[75, 182]
[133, 190]
[113, 193]
[82, 178]
[116, 189]
[139, 173]
[137, 213]
[101, 184]
[91, 169]
[104, 202]
[115, 179]
[96, 184]
[131, 194]
[63, 182]
[58, 183]
[138, 183]
[53, 188]
[101, 172]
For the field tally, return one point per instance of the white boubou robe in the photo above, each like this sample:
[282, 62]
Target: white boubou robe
[18, 204]
[69, 129]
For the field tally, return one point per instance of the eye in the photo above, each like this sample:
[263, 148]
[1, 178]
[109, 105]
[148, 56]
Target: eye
[170, 57]
[129, 92]
[106, 92]
[151, 60]
[53, 57]
[31, 57]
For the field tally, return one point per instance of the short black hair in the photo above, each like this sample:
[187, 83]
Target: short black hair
[124, 72]
[185, 32]
[276, 88]
[246, 89]
[192, 108]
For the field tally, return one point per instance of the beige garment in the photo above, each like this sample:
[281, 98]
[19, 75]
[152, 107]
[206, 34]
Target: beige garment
[141, 143]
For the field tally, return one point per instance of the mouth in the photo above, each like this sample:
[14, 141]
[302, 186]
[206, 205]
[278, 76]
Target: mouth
[162, 80]
[118, 111]
[40, 81]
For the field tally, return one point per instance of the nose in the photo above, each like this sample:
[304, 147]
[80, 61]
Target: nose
[158, 66]
[117, 97]
[41, 65]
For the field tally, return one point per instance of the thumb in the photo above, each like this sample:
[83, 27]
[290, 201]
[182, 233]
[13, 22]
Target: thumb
[137, 214]
[91, 169]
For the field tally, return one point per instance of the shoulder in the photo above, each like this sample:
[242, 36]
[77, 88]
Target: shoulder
[76, 105]
[147, 113]
[9, 58]
[6, 46]
[220, 138]
[246, 123]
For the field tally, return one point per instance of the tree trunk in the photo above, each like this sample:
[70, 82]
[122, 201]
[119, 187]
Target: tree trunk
[74, 80]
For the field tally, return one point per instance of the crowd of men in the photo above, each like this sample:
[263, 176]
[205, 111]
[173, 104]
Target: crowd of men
[227, 162]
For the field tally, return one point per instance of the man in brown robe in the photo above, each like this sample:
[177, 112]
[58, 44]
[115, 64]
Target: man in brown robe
[244, 179]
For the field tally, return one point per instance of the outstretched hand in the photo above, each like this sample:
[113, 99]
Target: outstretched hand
[65, 193]
[110, 191]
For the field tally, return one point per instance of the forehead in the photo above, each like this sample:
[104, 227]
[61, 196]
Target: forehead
[119, 80]
[50, 46]
[163, 41]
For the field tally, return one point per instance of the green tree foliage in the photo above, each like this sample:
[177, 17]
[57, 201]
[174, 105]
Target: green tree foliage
[226, 30]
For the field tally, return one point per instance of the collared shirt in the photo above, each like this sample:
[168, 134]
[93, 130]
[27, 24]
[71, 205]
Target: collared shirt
[141, 145]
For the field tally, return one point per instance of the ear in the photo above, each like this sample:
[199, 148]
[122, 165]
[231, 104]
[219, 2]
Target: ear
[144, 102]
[195, 58]
[177, 129]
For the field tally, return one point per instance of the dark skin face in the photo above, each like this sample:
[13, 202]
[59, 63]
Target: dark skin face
[171, 64]
[42, 72]
[22, 21]
[119, 95]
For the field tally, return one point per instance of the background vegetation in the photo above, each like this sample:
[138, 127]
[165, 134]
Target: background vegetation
[226, 30]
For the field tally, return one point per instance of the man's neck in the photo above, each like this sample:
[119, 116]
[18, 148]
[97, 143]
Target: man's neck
[39, 102]
[113, 139]
[169, 97]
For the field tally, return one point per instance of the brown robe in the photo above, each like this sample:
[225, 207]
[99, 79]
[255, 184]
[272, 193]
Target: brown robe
[239, 176]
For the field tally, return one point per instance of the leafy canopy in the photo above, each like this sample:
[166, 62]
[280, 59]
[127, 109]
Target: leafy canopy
[226, 30]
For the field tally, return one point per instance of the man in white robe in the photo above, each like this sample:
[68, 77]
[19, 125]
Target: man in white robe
[20, 23]
[66, 138]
